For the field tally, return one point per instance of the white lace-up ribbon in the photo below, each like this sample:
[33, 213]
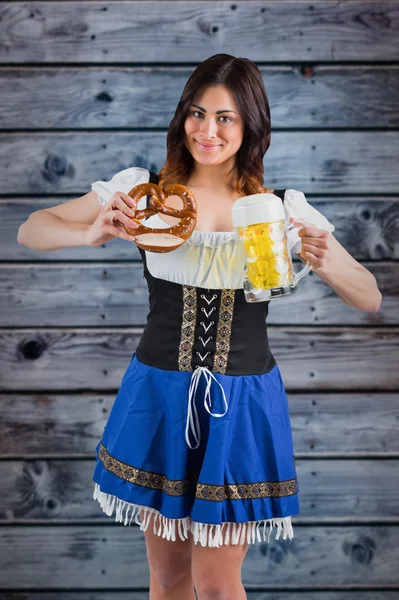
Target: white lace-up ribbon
[194, 421]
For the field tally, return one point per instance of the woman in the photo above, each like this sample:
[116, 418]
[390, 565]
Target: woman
[198, 447]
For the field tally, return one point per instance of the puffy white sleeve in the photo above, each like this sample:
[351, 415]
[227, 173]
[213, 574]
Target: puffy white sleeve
[296, 205]
[123, 181]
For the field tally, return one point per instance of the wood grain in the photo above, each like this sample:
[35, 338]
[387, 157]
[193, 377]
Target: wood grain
[361, 162]
[367, 227]
[62, 490]
[70, 295]
[310, 358]
[98, 557]
[329, 424]
[91, 31]
[326, 96]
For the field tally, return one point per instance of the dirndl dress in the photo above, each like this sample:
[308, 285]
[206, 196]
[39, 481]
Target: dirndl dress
[199, 435]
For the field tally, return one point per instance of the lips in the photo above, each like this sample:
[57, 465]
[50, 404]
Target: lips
[207, 145]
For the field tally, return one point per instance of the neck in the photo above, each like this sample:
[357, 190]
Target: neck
[216, 177]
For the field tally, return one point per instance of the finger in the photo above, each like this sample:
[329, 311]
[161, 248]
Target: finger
[312, 231]
[298, 225]
[118, 215]
[315, 242]
[312, 259]
[307, 229]
[125, 203]
[318, 252]
[128, 200]
[121, 233]
[297, 222]
[116, 203]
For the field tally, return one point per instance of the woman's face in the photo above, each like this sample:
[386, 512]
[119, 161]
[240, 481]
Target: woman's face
[213, 138]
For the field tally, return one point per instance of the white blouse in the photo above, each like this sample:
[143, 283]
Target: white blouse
[208, 259]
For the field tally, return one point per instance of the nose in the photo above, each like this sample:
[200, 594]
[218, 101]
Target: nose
[208, 128]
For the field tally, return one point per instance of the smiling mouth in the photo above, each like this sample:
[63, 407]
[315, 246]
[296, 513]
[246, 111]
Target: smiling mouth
[208, 145]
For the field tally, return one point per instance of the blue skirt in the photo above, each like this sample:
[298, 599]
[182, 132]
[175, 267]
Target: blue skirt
[201, 452]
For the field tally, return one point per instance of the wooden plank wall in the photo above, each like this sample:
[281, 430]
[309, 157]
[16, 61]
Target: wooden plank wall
[88, 88]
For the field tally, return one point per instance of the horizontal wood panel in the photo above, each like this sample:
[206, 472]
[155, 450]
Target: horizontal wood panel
[63, 490]
[325, 96]
[54, 425]
[117, 294]
[361, 162]
[119, 31]
[367, 228]
[98, 557]
[309, 358]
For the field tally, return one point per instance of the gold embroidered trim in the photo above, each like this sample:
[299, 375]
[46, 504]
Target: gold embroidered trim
[224, 330]
[246, 491]
[148, 479]
[188, 327]
[204, 491]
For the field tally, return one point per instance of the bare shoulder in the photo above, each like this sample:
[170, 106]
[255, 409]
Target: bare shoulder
[84, 209]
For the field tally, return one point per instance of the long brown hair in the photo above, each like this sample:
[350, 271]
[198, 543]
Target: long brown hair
[244, 80]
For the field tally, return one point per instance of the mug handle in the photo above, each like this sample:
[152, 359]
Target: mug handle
[305, 270]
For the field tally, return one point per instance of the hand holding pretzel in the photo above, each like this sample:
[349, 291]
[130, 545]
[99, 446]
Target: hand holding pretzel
[163, 239]
[112, 220]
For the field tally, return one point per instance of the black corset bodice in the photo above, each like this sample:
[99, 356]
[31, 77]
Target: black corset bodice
[189, 327]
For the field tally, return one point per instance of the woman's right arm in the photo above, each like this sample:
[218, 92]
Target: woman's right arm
[79, 222]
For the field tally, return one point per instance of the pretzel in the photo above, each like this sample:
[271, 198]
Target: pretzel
[163, 239]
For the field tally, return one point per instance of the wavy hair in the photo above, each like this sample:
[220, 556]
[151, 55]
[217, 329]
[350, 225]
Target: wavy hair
[244, 80]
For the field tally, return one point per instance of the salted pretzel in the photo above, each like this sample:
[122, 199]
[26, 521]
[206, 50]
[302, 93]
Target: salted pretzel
[163, 239]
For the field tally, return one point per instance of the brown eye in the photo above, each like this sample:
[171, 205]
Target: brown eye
[193, 112]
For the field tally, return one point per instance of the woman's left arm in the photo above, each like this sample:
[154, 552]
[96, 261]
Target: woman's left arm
[353, 283]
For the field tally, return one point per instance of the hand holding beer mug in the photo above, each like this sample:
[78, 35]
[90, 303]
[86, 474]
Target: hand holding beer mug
[260, 222]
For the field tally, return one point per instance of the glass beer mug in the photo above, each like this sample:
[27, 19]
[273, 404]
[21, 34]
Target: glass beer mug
[259, 220]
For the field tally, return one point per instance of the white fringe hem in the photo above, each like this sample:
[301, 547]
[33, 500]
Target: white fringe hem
[203, 533]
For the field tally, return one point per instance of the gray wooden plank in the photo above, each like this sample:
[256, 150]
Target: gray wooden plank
[361, 162]
[81, 295]
[354, 362]
[333, 424]
[344, 423]
[367, 227]
[119, 31]
[310, 358]
[100, 97]
[62, 490]
[97, 557]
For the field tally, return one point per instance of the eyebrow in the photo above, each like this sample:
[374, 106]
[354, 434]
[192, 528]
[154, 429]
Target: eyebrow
[217, 112]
